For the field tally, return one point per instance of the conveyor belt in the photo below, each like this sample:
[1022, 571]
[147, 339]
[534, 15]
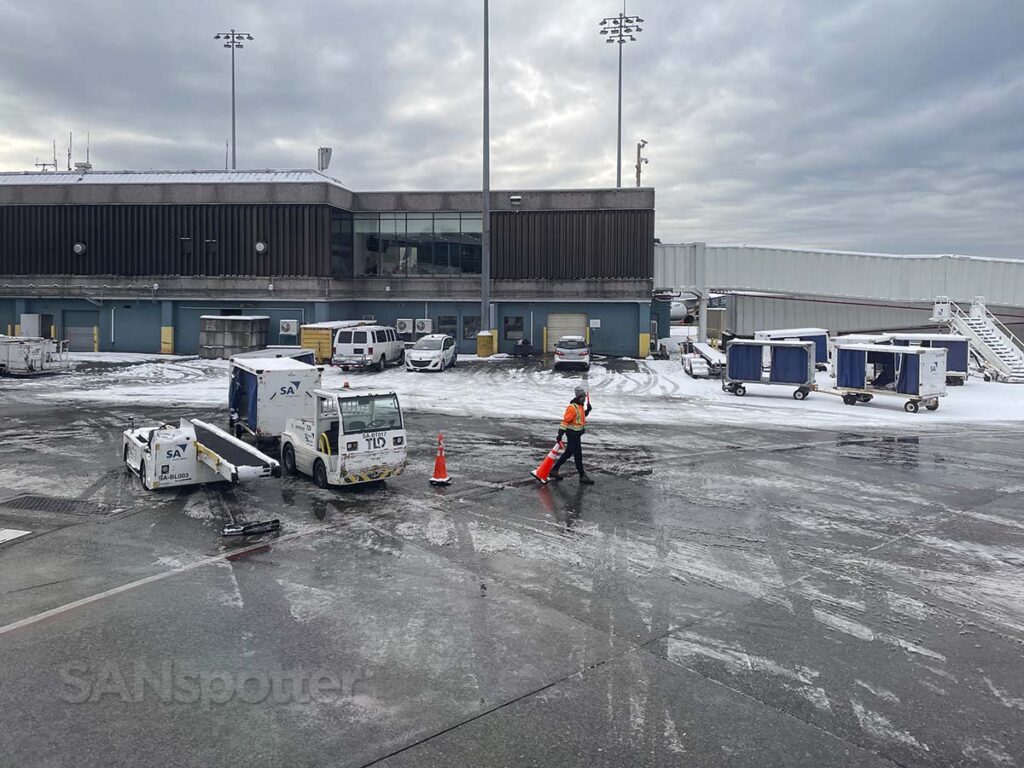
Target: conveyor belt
[228, 450]
[709, 353]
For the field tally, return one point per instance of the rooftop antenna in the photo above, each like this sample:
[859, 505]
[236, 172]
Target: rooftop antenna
[88, 141]
[70, 142]
[225, 154]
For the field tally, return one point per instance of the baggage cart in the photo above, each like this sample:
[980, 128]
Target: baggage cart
[818, 335]
[790, 363]
[958, 351]
[866, 370]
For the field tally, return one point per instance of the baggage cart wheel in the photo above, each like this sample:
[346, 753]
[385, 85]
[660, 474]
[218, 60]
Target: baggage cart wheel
[910, 406]
[850, 399]
[865, 398]
[740, 391]
[933, 406]
[800, 394]
[288, 458]
[320, 474]
[238, 431]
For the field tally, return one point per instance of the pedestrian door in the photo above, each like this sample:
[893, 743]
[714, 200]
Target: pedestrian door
[565, 324]
[79, 329]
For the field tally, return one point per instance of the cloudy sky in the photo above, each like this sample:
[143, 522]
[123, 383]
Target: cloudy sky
[884, 125]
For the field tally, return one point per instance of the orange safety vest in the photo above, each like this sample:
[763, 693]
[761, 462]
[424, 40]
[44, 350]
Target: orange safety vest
[575, 418]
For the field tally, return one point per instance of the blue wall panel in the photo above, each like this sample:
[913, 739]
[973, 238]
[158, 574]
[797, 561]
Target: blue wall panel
[6, 314]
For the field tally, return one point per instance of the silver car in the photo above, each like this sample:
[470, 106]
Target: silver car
[572, 351]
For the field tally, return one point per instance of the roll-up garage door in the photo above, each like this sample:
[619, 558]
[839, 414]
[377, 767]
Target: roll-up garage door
[565, 324]
[79, 329]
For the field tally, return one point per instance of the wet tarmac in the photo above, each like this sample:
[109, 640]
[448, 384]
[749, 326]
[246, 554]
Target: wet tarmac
[731, 596]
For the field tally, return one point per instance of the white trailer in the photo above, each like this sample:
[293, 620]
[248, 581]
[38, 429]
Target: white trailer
[349, 438]
[32, 356]
[191, 453]
[264, 393]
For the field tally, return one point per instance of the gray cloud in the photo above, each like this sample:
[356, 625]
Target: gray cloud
[889, 125]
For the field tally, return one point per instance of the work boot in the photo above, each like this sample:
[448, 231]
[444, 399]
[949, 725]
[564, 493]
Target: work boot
[585, 480]
[554, 476]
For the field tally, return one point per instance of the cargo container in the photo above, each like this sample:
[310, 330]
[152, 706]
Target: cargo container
[320, 336]
[791, 363]
[866, 370]
[264, 393]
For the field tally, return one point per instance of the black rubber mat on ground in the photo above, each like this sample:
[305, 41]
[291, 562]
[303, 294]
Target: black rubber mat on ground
[31, 502]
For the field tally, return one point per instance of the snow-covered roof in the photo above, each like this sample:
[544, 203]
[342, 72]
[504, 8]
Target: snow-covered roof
[300, 176]
[234, 317]
[335, 324]
[892, 350]
[271, 364]
[779, 343]
[926, 336]
[775, 333]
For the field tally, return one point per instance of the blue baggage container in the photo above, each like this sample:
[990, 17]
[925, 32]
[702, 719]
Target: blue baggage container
[791, 363]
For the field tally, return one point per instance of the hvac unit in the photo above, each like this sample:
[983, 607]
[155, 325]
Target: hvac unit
[424, 325]
[289, 328]
[369, 318]
[404, 325]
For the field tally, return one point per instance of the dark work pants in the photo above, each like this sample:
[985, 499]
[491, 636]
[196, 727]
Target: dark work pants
[574, 448]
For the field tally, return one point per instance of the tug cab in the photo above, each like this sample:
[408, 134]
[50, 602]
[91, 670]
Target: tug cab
[351, 438]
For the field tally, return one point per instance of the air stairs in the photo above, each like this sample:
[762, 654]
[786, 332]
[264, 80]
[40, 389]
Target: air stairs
[1000, 353]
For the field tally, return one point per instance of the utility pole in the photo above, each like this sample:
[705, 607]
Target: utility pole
[640, 160]
[485, 234]
[620, 29]
[233, 40]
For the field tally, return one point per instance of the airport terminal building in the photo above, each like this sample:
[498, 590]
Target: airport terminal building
[129, 261]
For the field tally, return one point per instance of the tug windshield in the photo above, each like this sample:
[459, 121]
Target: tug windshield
[373, 412]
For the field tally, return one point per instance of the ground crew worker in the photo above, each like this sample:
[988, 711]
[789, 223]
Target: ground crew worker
[572, 427]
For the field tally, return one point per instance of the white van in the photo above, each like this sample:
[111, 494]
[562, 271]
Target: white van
[367, 346]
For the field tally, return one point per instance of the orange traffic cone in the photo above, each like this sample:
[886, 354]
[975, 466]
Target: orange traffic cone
[542, 472]
[440, 467]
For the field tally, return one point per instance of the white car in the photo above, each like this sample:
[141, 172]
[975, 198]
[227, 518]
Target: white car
[432, 353]
[572, 350]
[367, 346]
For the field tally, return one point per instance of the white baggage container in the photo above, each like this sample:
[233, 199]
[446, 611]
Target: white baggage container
[265, 392]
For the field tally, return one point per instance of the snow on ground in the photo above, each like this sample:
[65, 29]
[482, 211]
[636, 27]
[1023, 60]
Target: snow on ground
[641, 392]
[118, 357]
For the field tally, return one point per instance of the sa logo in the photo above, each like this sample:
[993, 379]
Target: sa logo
[289, 389]
[177, 452]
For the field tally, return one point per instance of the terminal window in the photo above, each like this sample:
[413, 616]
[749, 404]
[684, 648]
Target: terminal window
[416, 244]
[448, 325]
[513, 328]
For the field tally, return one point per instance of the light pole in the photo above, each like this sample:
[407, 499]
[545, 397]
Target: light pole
[233, 40]
[620, 29]
[485, 234]
[640, 160]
